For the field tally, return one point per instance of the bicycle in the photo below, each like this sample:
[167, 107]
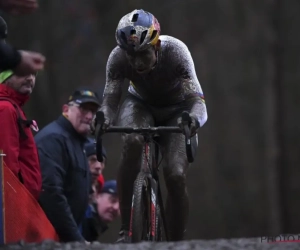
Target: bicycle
[147, 210]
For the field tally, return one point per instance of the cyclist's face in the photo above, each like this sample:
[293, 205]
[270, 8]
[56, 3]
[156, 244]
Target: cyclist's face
[108, 207]
[22, 84]
[81, 116]
[142, 61]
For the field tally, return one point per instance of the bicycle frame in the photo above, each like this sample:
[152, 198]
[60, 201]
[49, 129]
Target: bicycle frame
[149, 154]
[147, 167]
[150, 167]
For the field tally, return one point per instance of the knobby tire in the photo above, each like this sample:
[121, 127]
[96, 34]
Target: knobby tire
[140, 208]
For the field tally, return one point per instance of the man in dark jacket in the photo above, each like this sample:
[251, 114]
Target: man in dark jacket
[65, 171]
[16, 139]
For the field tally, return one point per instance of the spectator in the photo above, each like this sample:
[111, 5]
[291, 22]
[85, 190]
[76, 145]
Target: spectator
[21, 62]
[102, 212]
[96, 169]
[17, 140]
[100, 183]
[65, 171]
[95, 166]
[3, 30]
[108, 202]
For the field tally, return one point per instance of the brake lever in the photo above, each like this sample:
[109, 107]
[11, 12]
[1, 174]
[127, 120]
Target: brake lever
[187, 133]
[186, 122]
[100, 117]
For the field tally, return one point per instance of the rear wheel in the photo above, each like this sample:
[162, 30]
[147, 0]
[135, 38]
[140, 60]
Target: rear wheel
[141, 209]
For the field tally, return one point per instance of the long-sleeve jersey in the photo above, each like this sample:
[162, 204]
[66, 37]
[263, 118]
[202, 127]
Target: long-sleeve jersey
[171, 81]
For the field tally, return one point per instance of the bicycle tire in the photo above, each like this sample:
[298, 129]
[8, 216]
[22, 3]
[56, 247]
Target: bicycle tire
[141, 216]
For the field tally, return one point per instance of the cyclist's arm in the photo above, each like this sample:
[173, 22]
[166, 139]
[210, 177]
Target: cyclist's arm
[53, 163]
[113, 87]
[9, 56]
[192, 89]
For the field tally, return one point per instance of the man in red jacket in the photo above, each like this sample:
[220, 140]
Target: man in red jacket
[16, 139]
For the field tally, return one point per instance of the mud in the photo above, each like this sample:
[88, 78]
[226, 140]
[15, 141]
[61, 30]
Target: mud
[220, 244]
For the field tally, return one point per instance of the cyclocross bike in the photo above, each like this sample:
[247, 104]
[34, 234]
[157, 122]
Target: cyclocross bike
[147, 211]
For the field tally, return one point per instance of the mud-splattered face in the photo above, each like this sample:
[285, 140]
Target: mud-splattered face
[142, 61]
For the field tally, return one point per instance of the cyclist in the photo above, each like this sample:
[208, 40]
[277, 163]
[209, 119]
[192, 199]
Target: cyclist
[163, 84]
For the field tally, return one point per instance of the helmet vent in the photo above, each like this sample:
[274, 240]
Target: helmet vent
[143, 36]
[154, 33]
[132, 32]
[123, 36]
[135, 17]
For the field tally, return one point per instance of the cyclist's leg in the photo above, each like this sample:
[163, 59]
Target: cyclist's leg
[133, 113]
[176, 165]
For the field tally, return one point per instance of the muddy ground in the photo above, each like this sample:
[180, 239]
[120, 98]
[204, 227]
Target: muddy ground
[220, 244]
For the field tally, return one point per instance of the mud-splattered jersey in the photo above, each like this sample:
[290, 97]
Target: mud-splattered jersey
[171, 81]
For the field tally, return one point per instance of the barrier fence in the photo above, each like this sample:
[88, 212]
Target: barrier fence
[21, 217]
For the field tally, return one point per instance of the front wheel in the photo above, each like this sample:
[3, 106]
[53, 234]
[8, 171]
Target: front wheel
[145, 213]
[140, 210]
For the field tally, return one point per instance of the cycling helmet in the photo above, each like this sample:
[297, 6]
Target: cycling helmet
[3, 29]
[137, 31]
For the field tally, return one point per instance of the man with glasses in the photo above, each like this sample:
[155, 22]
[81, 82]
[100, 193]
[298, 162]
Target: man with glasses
[66, 179]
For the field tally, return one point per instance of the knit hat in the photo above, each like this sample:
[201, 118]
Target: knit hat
[3, 29]
[90, 149]
[110, 187]
[4, 75]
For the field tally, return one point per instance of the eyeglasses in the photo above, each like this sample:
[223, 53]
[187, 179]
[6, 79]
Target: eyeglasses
[84, 109]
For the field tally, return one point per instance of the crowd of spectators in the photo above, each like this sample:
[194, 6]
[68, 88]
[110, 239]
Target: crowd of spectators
[58, 166]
